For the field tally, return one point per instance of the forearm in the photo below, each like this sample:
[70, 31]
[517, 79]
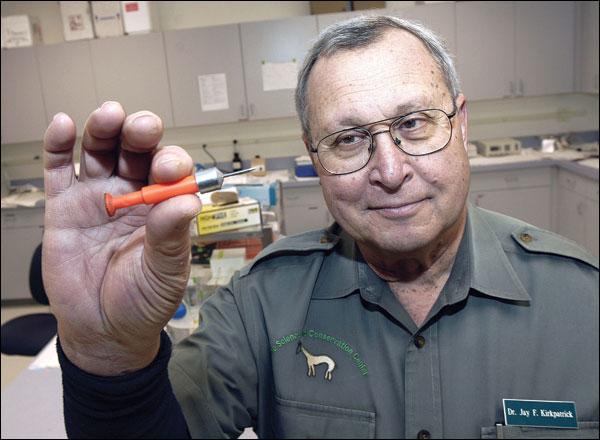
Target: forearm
[139, 404]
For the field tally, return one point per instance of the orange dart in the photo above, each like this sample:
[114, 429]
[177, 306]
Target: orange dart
[203, 181]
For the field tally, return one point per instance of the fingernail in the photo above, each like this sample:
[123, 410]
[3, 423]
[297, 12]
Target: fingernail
[58, 115]
[170, 160]
[106, 104]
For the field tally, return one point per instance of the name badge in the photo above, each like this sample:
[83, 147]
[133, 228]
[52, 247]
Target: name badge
[539, 413]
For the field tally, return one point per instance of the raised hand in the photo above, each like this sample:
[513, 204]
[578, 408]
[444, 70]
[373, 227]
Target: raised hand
[113, 282]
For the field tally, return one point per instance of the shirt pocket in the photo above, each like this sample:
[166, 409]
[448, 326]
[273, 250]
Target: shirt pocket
[585, 430]
[311, 420]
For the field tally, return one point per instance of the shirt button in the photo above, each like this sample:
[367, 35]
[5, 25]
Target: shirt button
[525, 237]
[424, 434]
[419, 341]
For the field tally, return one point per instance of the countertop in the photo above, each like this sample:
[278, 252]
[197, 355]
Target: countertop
[577, 162]
[574, 161]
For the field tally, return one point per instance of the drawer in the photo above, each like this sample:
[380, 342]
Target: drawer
[526, 178]
[302, 196]
[578, 184]
[22, 218]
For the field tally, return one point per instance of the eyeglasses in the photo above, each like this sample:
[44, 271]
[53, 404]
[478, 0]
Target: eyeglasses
[417, 133]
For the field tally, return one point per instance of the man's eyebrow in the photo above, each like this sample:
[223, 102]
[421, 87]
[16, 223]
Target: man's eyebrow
[401, 109]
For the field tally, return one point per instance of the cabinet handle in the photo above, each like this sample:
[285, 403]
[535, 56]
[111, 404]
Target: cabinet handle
[478, 199]
[252, 110]
[521, 87]
[243, 111]
[511, 179]
[512, 89]
[581, 208]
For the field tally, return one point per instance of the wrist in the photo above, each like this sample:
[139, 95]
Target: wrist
[109, 358]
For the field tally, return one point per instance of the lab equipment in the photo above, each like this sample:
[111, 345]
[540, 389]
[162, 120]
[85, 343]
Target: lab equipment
[202, 181]
[498, 147]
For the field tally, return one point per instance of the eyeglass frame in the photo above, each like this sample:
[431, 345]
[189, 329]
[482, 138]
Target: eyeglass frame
[313, 149]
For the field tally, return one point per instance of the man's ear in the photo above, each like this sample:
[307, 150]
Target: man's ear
[306, 143]
[464, 119]
[312, 155]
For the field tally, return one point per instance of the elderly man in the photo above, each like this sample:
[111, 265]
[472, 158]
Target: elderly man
[414, 315]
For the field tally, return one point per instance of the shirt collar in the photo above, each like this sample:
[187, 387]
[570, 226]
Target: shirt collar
[491, 271]
[344, 270]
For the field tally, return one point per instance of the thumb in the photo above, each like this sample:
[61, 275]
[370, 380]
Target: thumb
[167, 245]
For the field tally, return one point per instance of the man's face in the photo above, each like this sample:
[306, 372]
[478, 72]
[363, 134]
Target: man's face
[397, 203]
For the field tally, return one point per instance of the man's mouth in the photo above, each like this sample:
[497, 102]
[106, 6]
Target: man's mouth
[398, 209]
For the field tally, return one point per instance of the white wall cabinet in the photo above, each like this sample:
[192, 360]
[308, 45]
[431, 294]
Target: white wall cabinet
[588, 67]
[133, 70]
[439, 17]
[578, 209]
[23, 113]
[204, 57]
[267, 44]
[548, 55]
[485, 49]
[501, 51]
[68, 86]
[523, 194]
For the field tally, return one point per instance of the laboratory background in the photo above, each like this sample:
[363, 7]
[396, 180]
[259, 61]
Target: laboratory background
[222, 76]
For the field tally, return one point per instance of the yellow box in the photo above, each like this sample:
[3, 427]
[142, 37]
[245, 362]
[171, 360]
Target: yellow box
[239, 215]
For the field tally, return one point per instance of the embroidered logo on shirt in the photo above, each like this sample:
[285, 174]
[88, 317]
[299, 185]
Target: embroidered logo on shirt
[312, 361]
[339, 344]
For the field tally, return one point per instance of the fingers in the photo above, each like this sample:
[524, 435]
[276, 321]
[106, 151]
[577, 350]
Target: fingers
[113, 140]
[170, 164]
[141, 134]
[59, 139]
[101, 138]
[167, 242]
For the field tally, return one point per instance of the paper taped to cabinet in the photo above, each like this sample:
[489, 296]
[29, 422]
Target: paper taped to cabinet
[213, 92]
[279, 76]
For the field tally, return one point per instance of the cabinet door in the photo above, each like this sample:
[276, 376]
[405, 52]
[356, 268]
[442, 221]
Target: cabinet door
[485, 49]
[305, 218]
[23, 114]
[545, 43]
[304, 209]
[532, 205]
[132, 70]
[21, 233]
[68, 80]
[591, 227]
[266, 46]
[438, 17]
[206, 75]
[589, 50]
[571, 220]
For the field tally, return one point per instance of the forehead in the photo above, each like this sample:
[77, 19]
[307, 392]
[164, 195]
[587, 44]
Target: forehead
[372, 83]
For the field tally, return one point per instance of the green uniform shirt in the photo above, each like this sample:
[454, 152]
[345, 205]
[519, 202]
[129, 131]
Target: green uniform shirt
[307, 341]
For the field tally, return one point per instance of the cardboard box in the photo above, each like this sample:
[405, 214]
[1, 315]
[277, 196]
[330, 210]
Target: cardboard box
[239, 215]
[20, 31]
[107, 18]
[137, 18]
[77, 20]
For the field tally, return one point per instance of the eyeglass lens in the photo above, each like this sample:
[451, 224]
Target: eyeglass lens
[417, 134]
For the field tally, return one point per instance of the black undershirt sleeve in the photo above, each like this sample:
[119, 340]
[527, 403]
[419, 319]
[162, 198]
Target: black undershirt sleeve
[139, 404]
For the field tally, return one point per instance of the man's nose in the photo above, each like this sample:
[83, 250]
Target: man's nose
[389, 166]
